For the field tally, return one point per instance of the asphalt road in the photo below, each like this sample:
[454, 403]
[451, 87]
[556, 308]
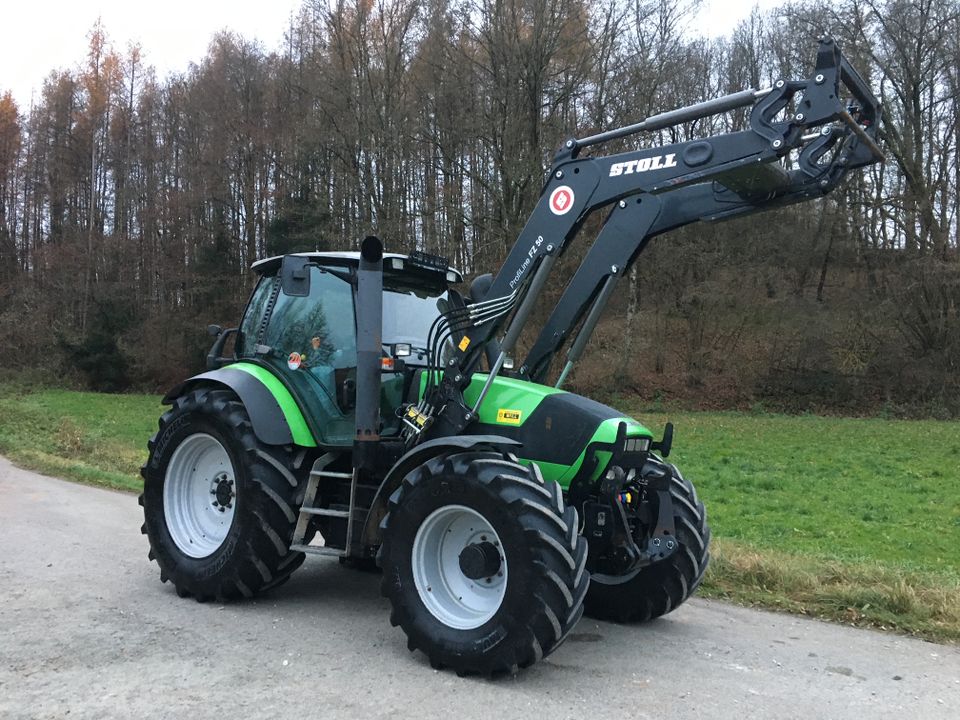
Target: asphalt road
[88, 631]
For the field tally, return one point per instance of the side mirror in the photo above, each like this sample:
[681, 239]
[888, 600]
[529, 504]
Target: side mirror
[214, 330]
[295, 276]
[214, 357]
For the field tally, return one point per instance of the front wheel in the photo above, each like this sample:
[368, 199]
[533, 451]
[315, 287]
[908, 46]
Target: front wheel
[661, 587]
[482, 563]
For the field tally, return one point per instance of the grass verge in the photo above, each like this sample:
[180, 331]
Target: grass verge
[852, 520]
[862, 594]
[92, 438]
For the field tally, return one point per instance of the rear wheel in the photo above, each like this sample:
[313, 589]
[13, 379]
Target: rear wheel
[219, 506]
[482, 563]
[663, 586]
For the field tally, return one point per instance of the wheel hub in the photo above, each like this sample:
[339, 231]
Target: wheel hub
[480, 560]
[223, 490]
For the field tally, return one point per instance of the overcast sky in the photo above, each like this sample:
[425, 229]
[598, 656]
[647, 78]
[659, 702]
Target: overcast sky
[38, 36]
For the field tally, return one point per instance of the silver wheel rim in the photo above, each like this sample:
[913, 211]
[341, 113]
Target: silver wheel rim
[199, 495]
[450, 596]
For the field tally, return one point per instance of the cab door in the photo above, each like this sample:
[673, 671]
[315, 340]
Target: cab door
[310, 343]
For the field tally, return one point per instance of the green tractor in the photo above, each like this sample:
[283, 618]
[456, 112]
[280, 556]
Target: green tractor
[371, 411]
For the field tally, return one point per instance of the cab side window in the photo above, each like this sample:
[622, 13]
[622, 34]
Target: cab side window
[250, 325]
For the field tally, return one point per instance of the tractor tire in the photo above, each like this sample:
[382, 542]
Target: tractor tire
[219, 506]
[457, 518]
[663, 586]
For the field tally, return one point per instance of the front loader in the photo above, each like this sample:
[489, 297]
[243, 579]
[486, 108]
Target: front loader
[372, 412]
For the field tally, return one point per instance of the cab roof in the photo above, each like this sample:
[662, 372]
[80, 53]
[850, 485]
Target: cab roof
[395, 262]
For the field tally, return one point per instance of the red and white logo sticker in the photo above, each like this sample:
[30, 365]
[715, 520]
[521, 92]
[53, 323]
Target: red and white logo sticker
[294, 360]
[561, 200]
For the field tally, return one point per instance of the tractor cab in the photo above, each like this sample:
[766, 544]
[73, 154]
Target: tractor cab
[300, 323]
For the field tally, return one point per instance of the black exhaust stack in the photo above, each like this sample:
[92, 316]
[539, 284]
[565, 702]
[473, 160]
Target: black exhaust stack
[369, 352]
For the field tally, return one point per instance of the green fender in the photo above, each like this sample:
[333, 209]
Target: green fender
[274, 414]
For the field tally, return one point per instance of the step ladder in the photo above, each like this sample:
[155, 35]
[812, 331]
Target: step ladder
[308, 510]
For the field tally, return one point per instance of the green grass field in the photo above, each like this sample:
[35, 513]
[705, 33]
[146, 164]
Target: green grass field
[840, 488]
[856, 520]
[91, 437]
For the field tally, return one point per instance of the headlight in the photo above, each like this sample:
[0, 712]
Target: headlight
[640, 444]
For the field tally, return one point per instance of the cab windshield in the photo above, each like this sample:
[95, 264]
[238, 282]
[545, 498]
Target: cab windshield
[407, 316]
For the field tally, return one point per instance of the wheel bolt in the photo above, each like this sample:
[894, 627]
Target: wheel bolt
[215, 503]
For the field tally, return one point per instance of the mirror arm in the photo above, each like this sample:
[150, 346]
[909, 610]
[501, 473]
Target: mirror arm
[214, 359]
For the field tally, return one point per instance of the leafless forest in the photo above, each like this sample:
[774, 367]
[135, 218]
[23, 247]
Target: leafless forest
[131, 205]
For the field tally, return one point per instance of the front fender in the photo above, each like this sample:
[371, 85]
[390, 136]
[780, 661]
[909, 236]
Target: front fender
[274, 414]
[415, 457]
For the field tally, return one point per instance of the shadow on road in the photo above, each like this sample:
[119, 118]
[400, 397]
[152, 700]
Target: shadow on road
[324, 580]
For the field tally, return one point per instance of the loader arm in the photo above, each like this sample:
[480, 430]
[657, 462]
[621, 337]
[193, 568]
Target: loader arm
[653, 191]
[634, 221]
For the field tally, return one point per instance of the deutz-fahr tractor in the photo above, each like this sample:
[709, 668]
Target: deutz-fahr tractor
[370, 410]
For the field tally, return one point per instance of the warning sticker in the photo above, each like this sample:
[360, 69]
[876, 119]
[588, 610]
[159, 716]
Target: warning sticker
[510, 417]
[561, 200]
[464, 344]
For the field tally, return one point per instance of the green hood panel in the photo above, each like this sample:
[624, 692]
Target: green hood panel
[555, 426]
[506, 399]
